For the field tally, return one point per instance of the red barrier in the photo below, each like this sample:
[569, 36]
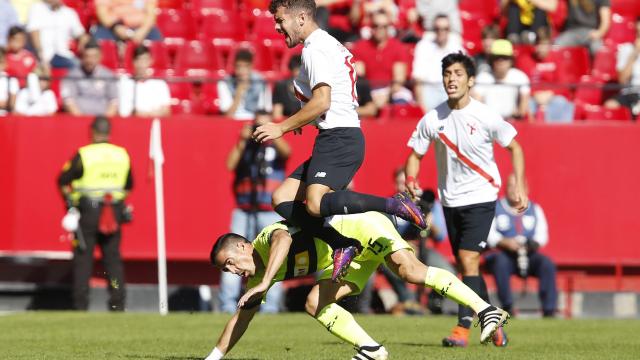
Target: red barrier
[584, 175]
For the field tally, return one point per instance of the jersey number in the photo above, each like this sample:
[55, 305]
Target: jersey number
[348, 60]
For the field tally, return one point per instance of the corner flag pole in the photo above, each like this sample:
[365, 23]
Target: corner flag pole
[156, 154]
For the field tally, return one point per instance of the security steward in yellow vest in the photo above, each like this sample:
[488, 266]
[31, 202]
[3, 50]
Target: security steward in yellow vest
[96, 182]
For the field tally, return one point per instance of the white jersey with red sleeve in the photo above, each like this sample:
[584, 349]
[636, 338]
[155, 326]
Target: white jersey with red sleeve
[467, 171]
[326, 61]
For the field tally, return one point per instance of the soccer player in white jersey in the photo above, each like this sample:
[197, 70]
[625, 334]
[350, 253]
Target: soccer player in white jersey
[463, 131]
[326, 86]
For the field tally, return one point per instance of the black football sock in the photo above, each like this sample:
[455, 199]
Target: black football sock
[345, 202]
[465, 313]
[296, 213]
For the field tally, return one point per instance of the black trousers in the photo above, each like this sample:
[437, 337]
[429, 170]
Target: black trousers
[83, 260]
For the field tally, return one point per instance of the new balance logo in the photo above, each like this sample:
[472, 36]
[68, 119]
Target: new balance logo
[483, 244]
[321, 174]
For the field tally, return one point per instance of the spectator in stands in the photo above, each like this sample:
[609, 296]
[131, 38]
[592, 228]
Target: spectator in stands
[427, 71]
[125, 20]
[383, 60]
[37, 99]
[244, 92]
[94, 185]
[366, 107]
[549, 101]
[259, 168]
[362, 12]
[8, 19]
[587, 24]
[518, 236]
[628, 67]
[142, 95]
[489, 34]
[285, 102]
[8, 87]
[429, 11]
[90, 89]
[52, 27]
[20, 61]
[526, 17]
[505, 88]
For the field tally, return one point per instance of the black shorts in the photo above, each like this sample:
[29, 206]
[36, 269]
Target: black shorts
[337, 154]
[469, 226]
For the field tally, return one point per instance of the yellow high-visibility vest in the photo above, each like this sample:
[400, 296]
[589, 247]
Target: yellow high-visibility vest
[105, 170]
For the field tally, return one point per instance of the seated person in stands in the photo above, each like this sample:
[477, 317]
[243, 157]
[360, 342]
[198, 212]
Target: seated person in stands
[587, 24]
[142, 95]
[628, 67]
[20, 61]
[90, 89]
[489, 34]
[245, 91]
[37, 98]
[526, 17]
[505, 88]
[285, 102]
[53, 27]
[125, 20]
[549, 99]
[518, 237]
[8, 87]
[383, 60]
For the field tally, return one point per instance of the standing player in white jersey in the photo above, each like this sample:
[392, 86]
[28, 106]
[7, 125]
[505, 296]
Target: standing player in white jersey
[463, 131]
[326, 86]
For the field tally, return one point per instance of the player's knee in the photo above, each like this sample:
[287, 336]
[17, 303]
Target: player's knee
[313, 207]
[311, 306]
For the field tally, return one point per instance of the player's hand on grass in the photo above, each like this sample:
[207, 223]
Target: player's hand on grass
[268, 131]
[253, 293]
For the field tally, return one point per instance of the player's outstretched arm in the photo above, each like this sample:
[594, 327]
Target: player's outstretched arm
[233, 331]
[280, 244]
[517, 162]
[317, 105]
[411, 170]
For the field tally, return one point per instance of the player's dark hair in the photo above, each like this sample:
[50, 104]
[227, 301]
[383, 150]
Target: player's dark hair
[461, 58]
[307, 5]
[91, 44]
[491, 31]
[140, 50]
[223, 242]
[295, 62]
[101, 125]
[244, 55]
[15, 30]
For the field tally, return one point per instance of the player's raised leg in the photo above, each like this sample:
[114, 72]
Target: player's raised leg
[321, 304]
[409, 268]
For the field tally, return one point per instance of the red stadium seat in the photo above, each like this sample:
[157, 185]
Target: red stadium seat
[401, 112]
[573, 62]
[176, 26]
[204, 98]
[597, 112]
[109, 54]
[629, 8]
[472, 25]
[263, 26]
[255, 4]
[604, 63]
[622, 30]
[487, 9]
[196, 59]
[205, 7]
[589, 91]
[221, 25]
[170, 4]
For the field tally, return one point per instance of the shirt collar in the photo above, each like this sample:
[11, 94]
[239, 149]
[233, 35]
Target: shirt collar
[317, 32]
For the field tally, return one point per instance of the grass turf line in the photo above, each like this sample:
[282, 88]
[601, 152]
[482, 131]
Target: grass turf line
[68, 335]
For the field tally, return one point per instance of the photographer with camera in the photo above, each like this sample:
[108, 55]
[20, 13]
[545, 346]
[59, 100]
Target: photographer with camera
[518, 236]
[94, 185]
[259, 169]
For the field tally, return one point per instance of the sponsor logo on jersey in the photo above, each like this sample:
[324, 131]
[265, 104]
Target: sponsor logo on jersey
[441, 128]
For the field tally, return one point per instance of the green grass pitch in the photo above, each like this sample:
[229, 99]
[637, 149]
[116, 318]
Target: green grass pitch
[66, 335]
